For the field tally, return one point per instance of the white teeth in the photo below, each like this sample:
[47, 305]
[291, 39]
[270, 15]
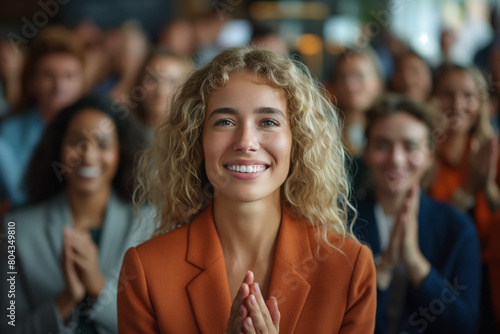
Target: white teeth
[246, 169]
[89, 171]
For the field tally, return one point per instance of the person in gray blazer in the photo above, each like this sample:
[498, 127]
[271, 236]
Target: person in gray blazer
[61, 256]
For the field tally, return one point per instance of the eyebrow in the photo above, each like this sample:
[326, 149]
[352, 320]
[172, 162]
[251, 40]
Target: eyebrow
[259, 111]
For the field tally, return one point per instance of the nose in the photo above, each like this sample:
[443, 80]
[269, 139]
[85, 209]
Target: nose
[398, 156]
[88, 151]
[247, 139]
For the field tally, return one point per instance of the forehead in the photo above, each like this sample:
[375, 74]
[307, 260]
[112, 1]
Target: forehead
[246, 89]
[58, 60]
[400, 126]
[92, 119]
[457, 78]
[355, 61]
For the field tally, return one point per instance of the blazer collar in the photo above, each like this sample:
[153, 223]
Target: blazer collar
[209, 291]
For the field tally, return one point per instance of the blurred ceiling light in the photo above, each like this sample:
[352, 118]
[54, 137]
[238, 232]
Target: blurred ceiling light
[424, 39]
[309, 44]
[266, 10]
[342, 30]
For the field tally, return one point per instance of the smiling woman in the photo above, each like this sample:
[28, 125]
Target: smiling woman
[247, 177]
[72, 239]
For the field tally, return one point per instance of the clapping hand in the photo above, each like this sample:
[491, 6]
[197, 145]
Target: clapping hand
[250, 313]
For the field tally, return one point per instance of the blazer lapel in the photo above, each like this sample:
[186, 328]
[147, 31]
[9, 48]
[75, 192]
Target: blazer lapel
[58, 216]
[209, 291]
[115, 228]
[288, 286]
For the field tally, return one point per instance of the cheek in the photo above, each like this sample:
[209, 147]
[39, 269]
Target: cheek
[419, 162]
[375, 159]
[111, 159]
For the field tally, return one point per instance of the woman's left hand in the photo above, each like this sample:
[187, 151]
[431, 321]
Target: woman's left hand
[413, 258]
[264, 317]
[85, 255]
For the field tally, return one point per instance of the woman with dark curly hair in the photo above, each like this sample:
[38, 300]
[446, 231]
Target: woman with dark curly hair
[72, 239]
[250, 164]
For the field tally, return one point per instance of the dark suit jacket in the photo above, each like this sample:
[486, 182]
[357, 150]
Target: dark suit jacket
[448, 300]
[177, 283]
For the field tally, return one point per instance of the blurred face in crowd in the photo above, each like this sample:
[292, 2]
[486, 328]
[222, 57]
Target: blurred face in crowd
[247, 139]
[163, 75]
[412, 78]
[459, 100]
[57, 83]
[397, 153]
[90, 152]
[356, 84]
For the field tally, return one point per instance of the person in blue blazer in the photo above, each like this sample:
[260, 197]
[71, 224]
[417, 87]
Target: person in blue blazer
[426, 253]
[68, 245]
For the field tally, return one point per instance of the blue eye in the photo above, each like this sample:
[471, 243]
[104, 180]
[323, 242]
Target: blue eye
[223, 122]
[269, 122]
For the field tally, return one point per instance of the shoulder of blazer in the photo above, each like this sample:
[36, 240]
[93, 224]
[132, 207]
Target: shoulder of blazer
[167, 246]
[345, 251]
[33, 218]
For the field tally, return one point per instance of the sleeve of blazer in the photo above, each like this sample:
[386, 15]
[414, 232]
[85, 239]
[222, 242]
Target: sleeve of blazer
[362, 300]
[135, 311]
[457, 293]
[29, 319]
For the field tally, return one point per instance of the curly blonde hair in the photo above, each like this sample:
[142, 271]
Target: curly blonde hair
[171, 174]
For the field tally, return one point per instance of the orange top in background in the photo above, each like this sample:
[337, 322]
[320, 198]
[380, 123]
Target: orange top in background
[447, 179]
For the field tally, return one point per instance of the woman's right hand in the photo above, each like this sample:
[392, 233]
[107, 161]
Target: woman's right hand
[238, 309]
[482, 165]
[75, 290]
[264, 317]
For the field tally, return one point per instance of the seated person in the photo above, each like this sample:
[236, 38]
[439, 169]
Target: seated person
[356, 83]
[54, 80]
[427, 253]
[71, 240]
[161, 74]
[247, 176]
[412, 77]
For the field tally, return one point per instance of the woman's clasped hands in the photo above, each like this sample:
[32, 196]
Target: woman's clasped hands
[250, 313]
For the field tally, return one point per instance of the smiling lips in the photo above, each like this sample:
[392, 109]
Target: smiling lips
[241, 168]
[89, 172]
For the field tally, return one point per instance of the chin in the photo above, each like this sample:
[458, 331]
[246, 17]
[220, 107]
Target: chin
[245, 196]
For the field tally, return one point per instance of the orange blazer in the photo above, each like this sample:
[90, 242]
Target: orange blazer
[177, 283]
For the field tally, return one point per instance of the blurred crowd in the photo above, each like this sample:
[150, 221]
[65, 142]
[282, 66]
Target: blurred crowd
[131, 80]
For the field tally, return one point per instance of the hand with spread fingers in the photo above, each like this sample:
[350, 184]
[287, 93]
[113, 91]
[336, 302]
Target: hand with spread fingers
[263, 317]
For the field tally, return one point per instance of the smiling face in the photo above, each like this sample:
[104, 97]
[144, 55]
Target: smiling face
[247, 139]
[164, 74]
[412, 78]
[57, 82]
[356, 83]
[397, 153]
[90, 149]
[459, 100]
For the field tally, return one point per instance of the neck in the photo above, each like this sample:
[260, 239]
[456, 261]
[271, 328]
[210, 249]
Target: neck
[47, 114]
[248, 230]
[353, 117]
[88, 209]
[454, 146]
[391, 203]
